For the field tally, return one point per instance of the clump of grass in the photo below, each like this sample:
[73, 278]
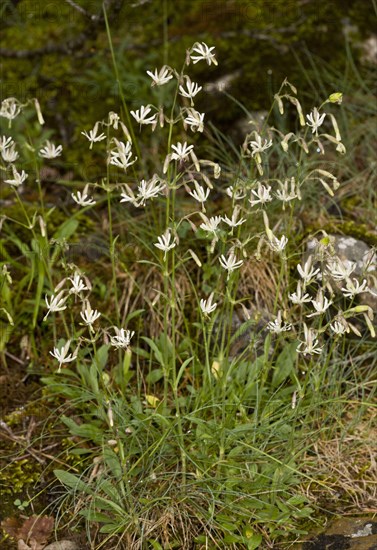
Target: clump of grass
[187, 441]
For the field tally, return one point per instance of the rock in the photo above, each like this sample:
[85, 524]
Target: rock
[369, 48]
[350, 250]
[346, 533]
[62, 545]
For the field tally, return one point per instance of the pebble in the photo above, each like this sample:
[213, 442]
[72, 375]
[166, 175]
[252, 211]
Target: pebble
[62, 545]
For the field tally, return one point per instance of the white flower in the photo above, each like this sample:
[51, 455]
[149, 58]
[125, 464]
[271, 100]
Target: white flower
[192, 89]
[162, 77]
[78, 284]
[83, 198]
[277, 326]
[210, 224]
[129, 196]
[121, 156]
[315, 120]
[353, 288]
[50, 151]
[149, 189]
[61, 354]
[5, 142]
[235, 193]
[10, 154]
[262, 193]
[114, 120]
[230, 263]
[286, 194]
[141, 115]
[57, 303]
[321, 304]
[18, 178]
[299, 297]
[199, 193]
[10, 108]
[307, 273]
[195, 120]
[277, 245]
[164, 243]
[122, 338]
[207, 306]
[181, 151]
[310, 345]
[89, 315]
[204, 53]
[340, 270]
[92, 136]
[258, 147]
[339, 328]
[234, 222]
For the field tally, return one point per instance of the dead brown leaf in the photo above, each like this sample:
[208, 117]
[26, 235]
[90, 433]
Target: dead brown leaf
[38, 528]
[32, 534]
[11, 526]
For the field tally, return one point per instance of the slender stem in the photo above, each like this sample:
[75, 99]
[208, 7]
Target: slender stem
[30, 226]
[119, 84]
[165, 30]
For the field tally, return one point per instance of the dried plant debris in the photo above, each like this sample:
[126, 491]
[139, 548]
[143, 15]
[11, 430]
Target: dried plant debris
[31, 534]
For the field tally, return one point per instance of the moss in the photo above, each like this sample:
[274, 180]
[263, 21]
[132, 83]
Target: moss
[18, 475]
[261, 38]
[354, 229]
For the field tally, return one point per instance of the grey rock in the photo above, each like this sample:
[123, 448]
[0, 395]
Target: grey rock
[350, 250]
[62, 545]
[352, 533]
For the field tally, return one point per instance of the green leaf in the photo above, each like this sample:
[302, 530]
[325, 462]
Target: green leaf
[182, 370]
[92, 515]
[8, 315]
[112, 528]
[155, 349]
[233, 538]
[126, 363]
[113, 463]
[156, 545]
[40, 285]
[101, 357]
[238, 450]
[296, 500]
[154, 376]
[284, 364]
[87, 431]
[108, 488]
[132, 315]
[80, 451]
[73, 482]
[305, 512]
[105, 504]
[254, 541]
[67, 229]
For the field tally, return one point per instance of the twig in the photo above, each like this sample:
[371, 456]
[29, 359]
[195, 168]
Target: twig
[83, 11]
[11, 356]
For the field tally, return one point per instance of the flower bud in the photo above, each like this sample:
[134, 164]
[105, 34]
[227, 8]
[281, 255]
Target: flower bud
[337, 97]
